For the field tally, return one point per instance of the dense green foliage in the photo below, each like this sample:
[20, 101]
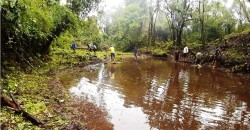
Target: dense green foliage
[127, 31]
[195, 23]
[87, 32]
[40, 94]
[82, 7]
[30, 27]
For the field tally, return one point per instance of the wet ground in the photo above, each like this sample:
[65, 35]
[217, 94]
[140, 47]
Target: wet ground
[160, 94]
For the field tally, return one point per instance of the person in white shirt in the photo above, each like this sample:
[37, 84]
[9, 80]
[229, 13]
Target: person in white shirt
[198, 58]
[185, 53]
[94, 48]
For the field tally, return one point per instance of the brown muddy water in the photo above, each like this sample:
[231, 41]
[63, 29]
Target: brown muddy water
[151, 94]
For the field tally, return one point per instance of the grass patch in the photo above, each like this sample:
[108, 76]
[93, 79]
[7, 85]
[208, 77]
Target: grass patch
[36, 94]
[44, 89]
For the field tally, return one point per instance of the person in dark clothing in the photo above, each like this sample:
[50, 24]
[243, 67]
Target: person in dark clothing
[176, 55]
[216, 57]
[73, 46]
[94, 48]
[135, 53]
[90, 47]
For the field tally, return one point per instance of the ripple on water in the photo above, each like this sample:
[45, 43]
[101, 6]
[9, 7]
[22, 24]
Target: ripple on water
[165, 96]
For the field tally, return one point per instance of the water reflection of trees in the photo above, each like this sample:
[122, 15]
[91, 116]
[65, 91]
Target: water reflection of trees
[175, 97]
[171, 112]
[179, 97]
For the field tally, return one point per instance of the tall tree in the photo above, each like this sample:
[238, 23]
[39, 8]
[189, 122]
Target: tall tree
[153, 9]
[82, 7]
[180, 13]
[201, 18]
[244, 9]
[242, 12]
[170, 18]
[127, 26]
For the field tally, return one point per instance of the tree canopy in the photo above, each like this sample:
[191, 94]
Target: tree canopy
[34, 27]
[196, 22]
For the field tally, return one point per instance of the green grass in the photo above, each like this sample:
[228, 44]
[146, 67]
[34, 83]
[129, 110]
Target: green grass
[36, 94]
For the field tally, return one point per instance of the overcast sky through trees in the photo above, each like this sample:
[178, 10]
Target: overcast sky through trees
[112, 5]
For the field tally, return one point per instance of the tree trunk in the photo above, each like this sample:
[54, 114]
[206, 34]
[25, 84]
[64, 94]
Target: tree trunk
[202, 23]
[179, 34]
[156, 11]
[15, 106]
[244, 8]
[149, 31]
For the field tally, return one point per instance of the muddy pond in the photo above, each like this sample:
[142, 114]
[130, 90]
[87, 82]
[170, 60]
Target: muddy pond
[151, 94]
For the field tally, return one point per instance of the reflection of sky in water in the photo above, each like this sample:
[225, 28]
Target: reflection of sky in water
[184, 76]
[157, 90]
[102, 94]
[208, 115]
[125, 117]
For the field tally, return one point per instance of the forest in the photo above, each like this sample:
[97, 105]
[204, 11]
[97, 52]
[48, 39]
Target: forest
[36, 37]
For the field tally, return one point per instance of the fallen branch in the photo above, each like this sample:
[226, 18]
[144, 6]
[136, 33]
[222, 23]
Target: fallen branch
[16, 107]
[6, 102]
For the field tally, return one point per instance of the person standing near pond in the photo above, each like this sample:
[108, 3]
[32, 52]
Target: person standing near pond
[176, 55]
[216, 57]
[94, 48]
[135, 53]
[112, 53]
[89, 47]
[185, 53]
[73, 46]
[198, 58]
